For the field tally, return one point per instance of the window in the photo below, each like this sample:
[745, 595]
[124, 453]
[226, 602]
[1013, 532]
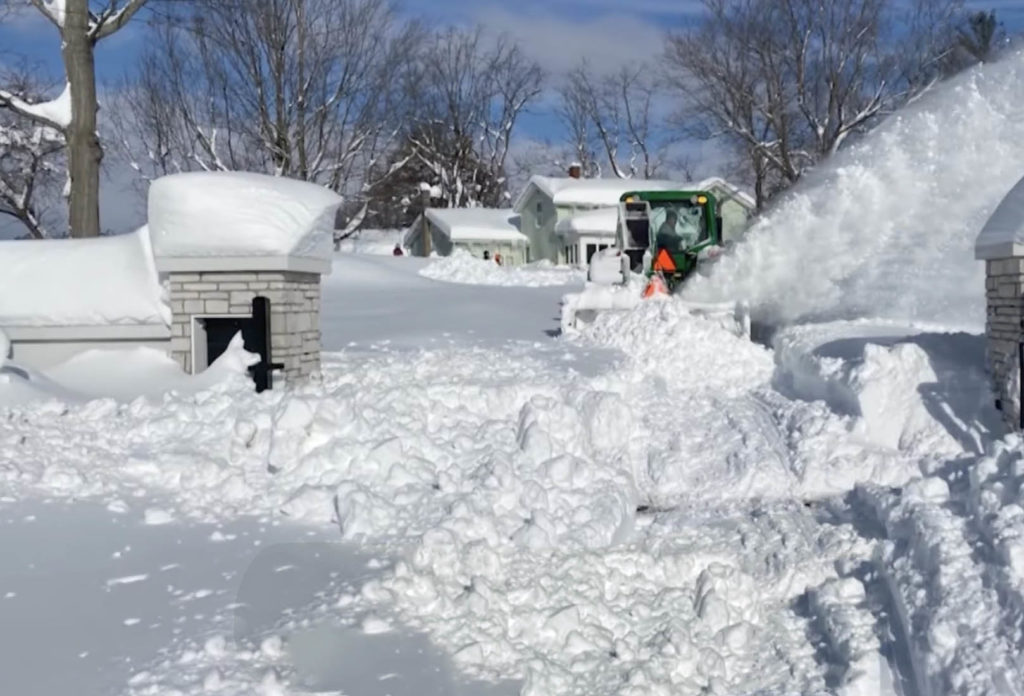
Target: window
[539, 215]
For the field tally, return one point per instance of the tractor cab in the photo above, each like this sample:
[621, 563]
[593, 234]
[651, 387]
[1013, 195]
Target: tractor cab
[664, 232]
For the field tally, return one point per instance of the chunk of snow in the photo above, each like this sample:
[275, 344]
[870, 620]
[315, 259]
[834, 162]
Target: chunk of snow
[81, 282]
[200, 214]
[56, 112]
[156, 516]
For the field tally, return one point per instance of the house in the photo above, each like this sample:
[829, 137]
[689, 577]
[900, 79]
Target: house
[568, 219]
[476, 230]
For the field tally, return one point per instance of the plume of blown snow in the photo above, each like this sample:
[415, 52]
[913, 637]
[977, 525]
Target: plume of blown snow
[887, 228]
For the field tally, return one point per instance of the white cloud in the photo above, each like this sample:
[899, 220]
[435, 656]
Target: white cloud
[559, 42]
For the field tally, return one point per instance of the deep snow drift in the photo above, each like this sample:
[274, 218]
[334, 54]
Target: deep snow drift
[888, 229]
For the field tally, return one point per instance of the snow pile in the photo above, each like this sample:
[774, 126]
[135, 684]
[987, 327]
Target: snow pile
[122, 374]
[240, 214]
[81, 282]
[717, 429]
[914, 388]
[463, 267]
[952, 562]
[887, 228]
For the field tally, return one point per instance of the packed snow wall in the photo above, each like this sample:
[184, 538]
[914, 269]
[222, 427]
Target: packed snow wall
[887, 227]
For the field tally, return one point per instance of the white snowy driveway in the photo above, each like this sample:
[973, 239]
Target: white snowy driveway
[638, 510]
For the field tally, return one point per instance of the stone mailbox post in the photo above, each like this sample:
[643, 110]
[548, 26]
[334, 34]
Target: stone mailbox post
[1001, 246]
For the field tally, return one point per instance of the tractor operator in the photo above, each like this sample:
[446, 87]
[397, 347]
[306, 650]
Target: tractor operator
[668, 237]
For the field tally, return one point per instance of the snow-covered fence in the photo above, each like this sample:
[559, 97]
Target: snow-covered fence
[1001, 246]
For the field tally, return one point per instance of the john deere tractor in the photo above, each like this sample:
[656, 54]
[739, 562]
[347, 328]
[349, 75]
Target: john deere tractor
[662, 236]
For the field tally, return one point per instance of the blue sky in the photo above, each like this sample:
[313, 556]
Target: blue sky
[557, 33]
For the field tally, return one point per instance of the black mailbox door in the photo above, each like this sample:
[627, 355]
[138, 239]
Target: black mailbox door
[220, 331]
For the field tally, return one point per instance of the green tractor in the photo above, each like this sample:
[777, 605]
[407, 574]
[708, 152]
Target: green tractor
[661, 236]
[664, 234]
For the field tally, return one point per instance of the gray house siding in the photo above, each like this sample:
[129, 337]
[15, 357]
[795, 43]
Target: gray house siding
[538, 217]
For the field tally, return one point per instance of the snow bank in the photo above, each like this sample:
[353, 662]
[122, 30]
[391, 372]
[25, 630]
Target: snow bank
[914, 388]
[240, 214]
[951, 563]
[887, 227]
[124, 375]
[81, 282]
[463, 267]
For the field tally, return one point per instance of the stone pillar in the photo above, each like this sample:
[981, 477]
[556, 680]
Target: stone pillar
[294, 305]
[1004, 288]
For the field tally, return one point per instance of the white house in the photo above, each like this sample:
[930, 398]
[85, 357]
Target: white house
[568, 219]
[476, 230]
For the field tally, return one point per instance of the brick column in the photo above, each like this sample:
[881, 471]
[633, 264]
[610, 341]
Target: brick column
[294, 305]
[1004, 288]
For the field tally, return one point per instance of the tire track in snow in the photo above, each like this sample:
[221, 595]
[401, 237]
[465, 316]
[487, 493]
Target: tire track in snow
[952, 619]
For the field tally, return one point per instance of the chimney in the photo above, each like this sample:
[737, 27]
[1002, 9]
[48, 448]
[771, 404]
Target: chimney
[575, 170]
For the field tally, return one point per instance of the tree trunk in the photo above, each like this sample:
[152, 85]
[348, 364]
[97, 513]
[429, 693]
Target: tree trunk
[84, 151]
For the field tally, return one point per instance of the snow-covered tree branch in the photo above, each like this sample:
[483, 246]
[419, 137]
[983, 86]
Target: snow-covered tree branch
[310, 89]
[31, 161]
[787, 83]
[80, 24]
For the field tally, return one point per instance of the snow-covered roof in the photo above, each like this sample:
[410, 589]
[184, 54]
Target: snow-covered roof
[600, 222]
[477, 224]
[733, 192]
[1003, 234]
[81, 282]
[240, 214]
[568, 191]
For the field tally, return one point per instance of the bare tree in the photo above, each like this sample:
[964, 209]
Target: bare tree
[74, 113]
[614, 113]
[310, 89]
[31, 159]
[788, 82]
[468, 96]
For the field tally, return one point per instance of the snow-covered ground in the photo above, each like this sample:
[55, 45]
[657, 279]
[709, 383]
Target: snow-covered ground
[371, 241]
[463, 267]
[653, 505]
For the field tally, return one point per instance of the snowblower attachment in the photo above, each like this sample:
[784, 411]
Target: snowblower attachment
[662, 237]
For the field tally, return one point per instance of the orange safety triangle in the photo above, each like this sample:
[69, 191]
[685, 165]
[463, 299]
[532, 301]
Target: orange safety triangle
[663, 261]
[655, 286]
